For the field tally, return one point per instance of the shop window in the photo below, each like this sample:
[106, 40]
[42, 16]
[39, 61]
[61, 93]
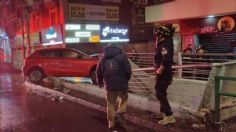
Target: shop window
[10, 8]
[14, 28]
[53, 16]
[37, 22]
[18, 28]
[25, 27]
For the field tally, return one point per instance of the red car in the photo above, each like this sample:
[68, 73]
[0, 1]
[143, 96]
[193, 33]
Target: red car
[57, 62]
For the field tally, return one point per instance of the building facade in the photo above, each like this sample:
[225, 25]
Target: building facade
[36, 24]
[200, 22]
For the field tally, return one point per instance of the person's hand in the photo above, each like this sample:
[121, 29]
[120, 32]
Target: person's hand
[158, 71]
[100, 85]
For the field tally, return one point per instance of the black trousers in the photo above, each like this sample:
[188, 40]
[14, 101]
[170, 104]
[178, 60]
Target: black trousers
[162, 84]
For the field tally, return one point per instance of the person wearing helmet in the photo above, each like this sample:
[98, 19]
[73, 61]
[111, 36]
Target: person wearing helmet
[163, 61]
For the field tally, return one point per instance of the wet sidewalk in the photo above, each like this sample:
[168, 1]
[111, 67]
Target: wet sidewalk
[23, 111]
[92, 96]
[7, 68]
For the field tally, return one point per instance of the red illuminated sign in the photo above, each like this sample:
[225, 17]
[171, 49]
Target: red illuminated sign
[208, 29]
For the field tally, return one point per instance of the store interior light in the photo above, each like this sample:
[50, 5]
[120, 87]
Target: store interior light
[211, 16]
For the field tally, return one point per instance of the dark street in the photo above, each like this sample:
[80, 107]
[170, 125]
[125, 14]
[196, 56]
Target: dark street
[24, 112]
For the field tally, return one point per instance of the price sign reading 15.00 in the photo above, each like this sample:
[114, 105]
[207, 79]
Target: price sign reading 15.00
[112, 15]
[77, 14]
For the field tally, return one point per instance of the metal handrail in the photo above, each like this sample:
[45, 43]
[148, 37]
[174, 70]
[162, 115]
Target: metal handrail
[145, 60]
[176, 67]
[140, 82]
[218, 93]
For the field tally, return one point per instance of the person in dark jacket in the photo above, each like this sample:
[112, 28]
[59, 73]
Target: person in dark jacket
[114, 72]
[163, 61]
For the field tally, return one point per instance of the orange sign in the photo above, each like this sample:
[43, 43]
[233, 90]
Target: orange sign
[94, 39]
[226, 24]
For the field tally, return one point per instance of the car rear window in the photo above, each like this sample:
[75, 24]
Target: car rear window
[49, 53]
[71, 54]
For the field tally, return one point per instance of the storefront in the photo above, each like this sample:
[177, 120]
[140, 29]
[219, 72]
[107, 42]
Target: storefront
[216, 34]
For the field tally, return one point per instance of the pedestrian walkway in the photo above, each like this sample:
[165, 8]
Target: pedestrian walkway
[140, 108]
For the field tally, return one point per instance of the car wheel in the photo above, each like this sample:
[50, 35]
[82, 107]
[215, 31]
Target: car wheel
[36, 75]
[93, 76]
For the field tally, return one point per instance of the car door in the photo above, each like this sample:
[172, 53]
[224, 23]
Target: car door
[50, 62]
[73, 63]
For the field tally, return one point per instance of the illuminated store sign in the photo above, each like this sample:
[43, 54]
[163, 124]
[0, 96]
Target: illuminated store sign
[52, 35]
[72, 27]
[72, 40]
[82, 33]
[94, 33]
[114, 33]
[92, 27]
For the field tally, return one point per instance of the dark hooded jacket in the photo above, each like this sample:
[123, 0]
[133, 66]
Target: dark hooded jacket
[113, 69]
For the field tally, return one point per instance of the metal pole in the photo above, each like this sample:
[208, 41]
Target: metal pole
[28, 30]
[180, 62]
[217, 98]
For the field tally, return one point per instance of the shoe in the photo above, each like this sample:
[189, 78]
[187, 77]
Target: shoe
[158, 116]
[112, 129]
[119, 118]
[167, 120]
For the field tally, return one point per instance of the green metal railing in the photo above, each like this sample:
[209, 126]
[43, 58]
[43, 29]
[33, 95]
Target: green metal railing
[218, 93]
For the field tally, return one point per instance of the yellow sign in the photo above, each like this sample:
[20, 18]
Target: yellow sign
[94, 39]
[93, 12]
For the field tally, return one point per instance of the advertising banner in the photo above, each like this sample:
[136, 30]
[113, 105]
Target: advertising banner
[95, 33]
[51, 35]
[82, 33]
[114, 33]
[93, 12]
